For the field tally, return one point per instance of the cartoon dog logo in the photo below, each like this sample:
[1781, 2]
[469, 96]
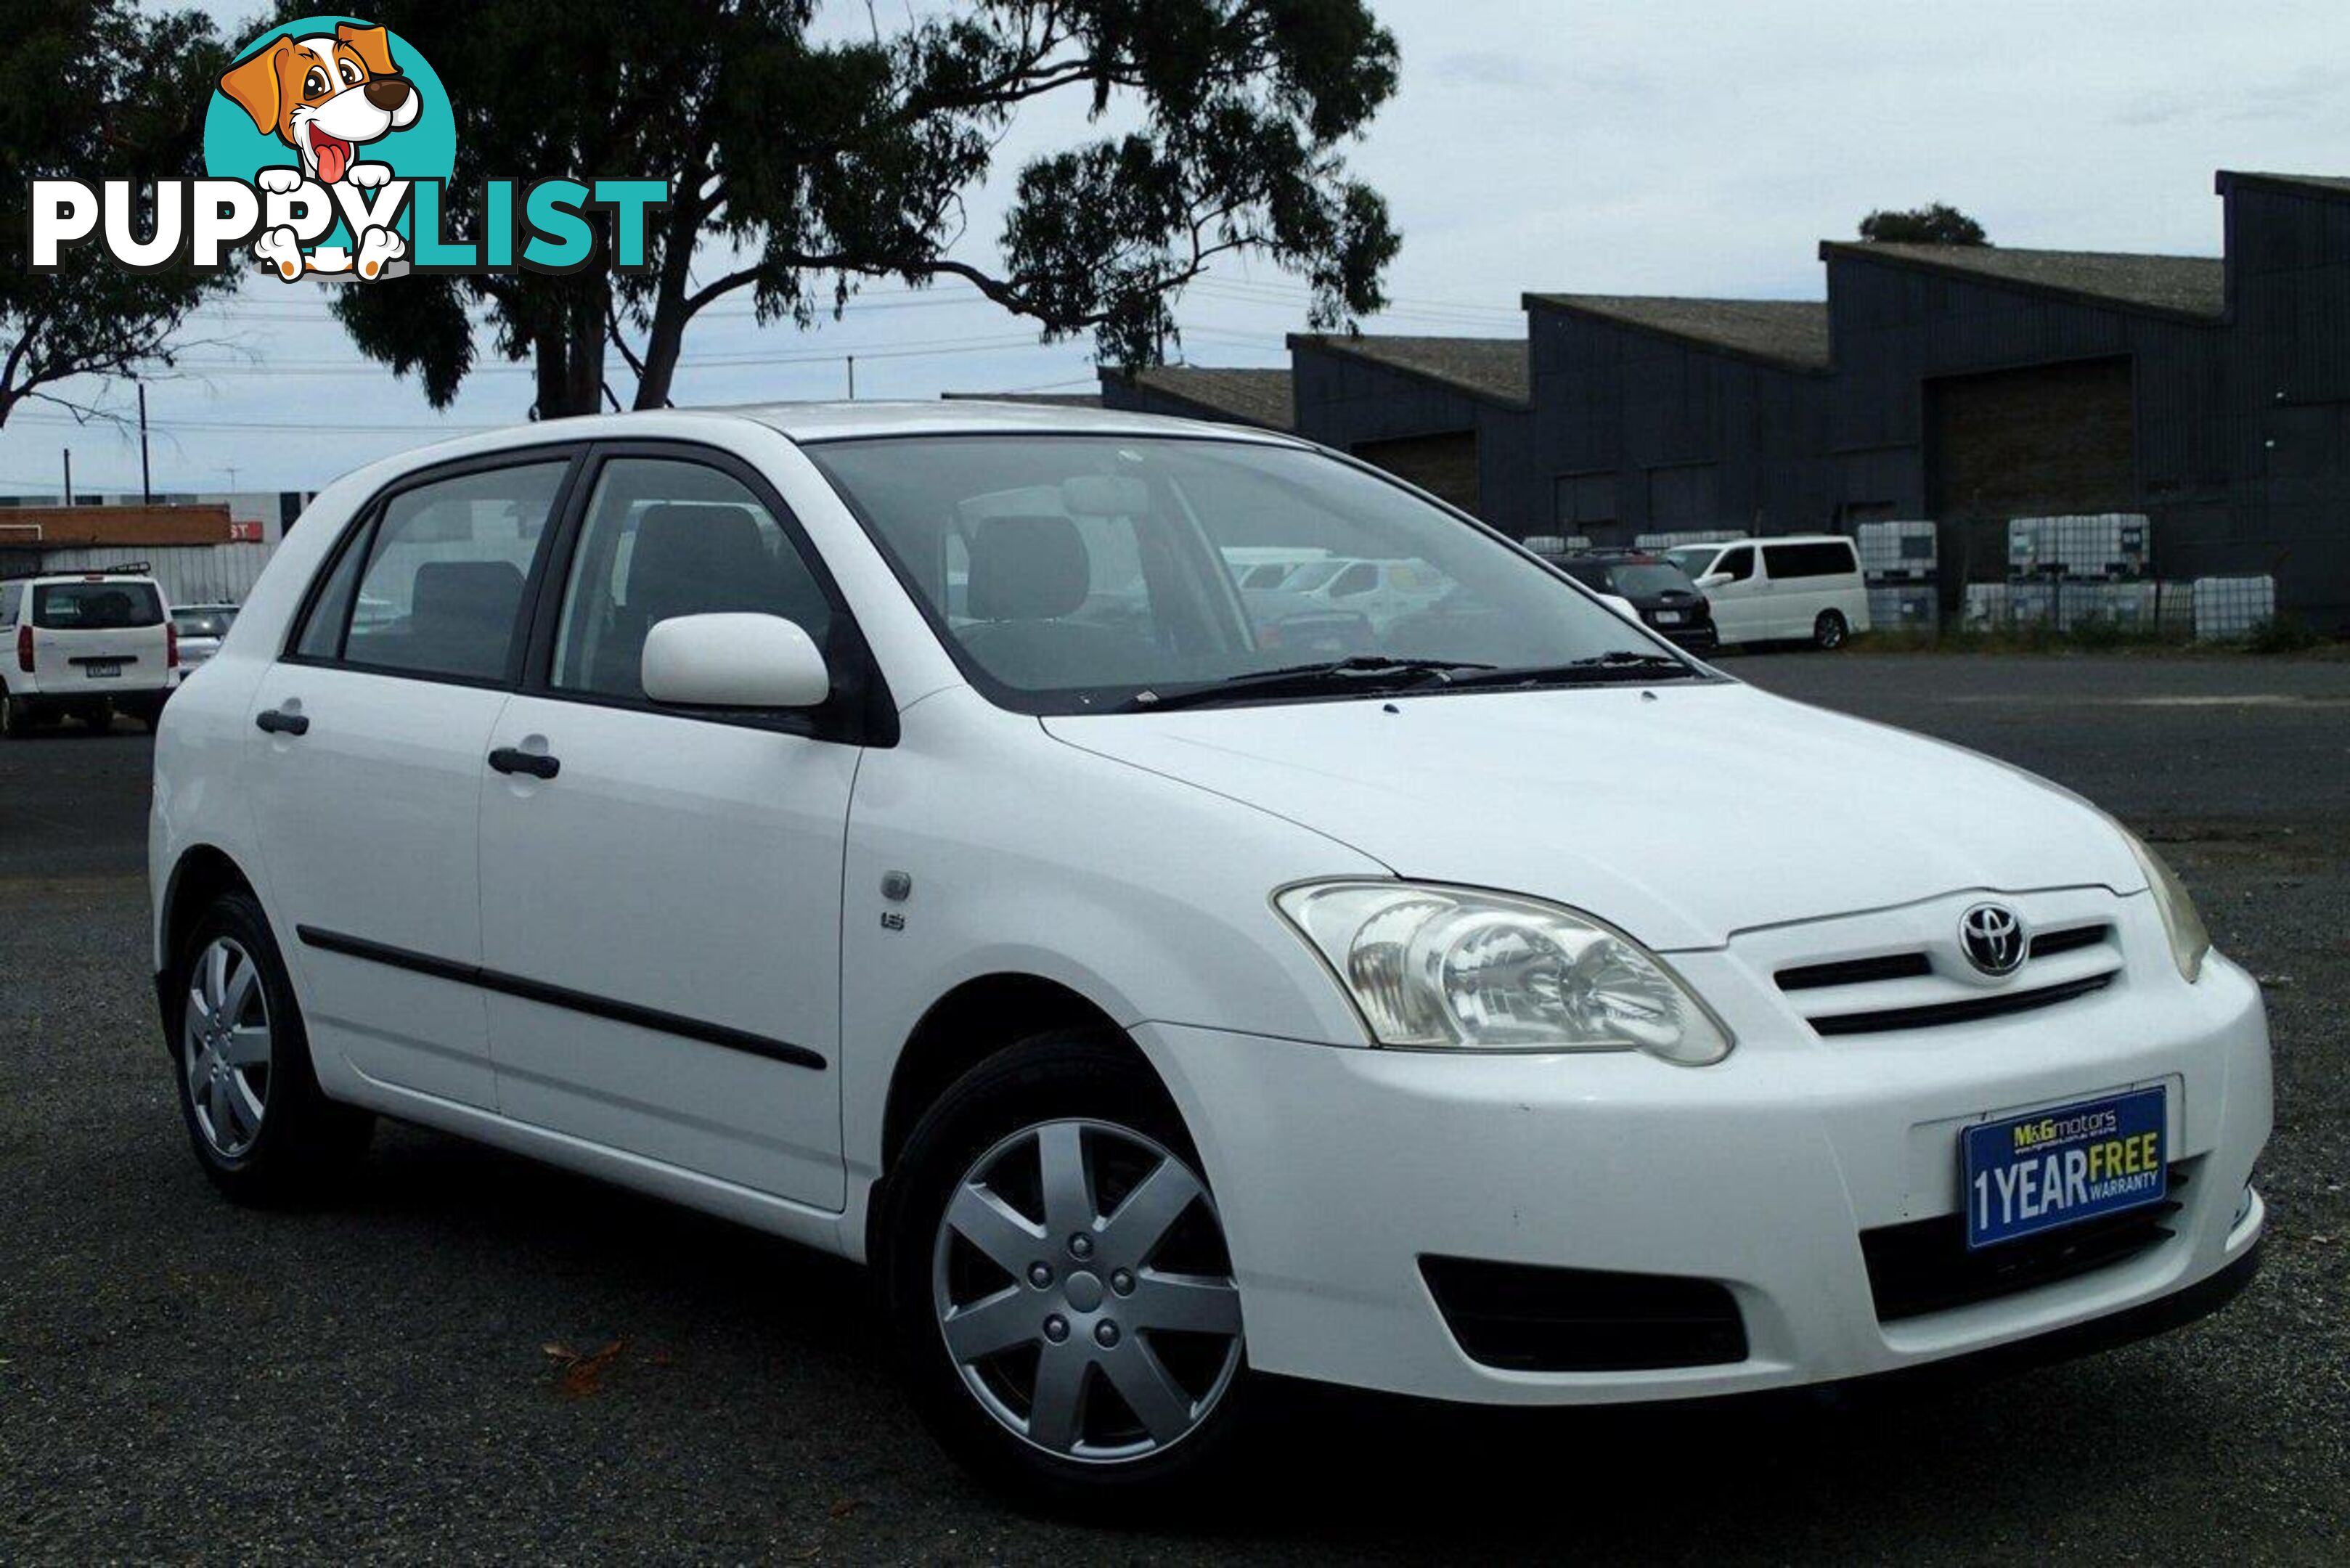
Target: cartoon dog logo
[326, 96]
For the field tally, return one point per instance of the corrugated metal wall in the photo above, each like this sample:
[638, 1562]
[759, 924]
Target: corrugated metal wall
[1360, 406]
[190, 574]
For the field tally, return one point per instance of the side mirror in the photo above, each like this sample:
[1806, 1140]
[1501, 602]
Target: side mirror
[1622, 607]
[1712, 580]
[733, 660]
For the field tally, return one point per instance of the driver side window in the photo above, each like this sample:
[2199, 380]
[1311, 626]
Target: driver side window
[1738, 565]
[666, 537]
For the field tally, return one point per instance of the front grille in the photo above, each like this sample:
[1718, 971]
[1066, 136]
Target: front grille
[1528, 1318]
[1925, 1266]
[1902, 1006]
[1856, 971]
[2048, 944]
[1934, 1014]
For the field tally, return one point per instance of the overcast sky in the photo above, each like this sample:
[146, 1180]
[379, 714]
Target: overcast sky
[1636, 148]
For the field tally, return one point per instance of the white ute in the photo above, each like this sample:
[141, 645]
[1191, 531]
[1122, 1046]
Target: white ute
[892, 828]
[85, 645]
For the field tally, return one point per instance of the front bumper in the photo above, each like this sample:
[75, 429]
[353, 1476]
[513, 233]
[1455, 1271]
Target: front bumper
[1338, 1170]
[1699, 637]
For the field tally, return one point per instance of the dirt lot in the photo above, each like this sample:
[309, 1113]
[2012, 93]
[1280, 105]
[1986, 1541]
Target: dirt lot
[471, 1356]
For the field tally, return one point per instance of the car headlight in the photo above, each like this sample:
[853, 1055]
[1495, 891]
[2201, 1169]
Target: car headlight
[2189, 942]
[1439, 968]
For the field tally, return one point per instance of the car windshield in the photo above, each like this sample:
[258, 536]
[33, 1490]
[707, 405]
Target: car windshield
[1647, 579]
[1074, 574]
[202, 622]
[1695, 561]
[96, 607]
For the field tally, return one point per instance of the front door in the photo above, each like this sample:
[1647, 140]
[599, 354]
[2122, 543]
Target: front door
[661, 890]
[1742, 607]
[368, 739]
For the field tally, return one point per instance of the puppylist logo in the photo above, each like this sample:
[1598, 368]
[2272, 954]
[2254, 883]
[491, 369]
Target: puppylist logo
[328, 148]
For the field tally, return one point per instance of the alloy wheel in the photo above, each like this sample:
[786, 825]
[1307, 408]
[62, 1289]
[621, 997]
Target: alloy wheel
[1084, 1292]
[224, 1047]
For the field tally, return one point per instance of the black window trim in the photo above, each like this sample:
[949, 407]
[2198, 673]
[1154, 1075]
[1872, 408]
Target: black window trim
[860, 711]
[360, 534]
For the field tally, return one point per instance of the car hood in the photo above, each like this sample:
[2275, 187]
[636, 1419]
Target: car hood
[1681, 815]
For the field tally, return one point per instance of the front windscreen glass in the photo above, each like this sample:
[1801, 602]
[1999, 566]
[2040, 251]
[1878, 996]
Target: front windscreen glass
[1644, 580]
[1074, 574]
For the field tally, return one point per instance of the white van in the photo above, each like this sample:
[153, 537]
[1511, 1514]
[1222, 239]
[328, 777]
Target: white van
[89, 645]
[1804, 587]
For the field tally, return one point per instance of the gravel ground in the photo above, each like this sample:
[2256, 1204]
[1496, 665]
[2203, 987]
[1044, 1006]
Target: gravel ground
[469, 1356]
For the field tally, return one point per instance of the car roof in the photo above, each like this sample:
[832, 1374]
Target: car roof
[810, 423]
[973, 416]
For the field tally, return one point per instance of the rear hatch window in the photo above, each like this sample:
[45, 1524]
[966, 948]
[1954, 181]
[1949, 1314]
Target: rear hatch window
[97, 607]
[203, 623]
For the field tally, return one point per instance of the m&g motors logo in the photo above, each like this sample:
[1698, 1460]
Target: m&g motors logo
[329, 146]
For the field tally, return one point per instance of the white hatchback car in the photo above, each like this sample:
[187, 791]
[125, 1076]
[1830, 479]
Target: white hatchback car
[1154, 1011]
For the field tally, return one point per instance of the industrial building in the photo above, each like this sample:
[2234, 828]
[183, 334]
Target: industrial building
[199, 552]
[1967, 385]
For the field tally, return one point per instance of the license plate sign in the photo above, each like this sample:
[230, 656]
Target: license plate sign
[2029, 1174]
[103, 670]
[1669, 618]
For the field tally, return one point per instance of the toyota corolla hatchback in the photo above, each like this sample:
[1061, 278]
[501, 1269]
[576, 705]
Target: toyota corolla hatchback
[894, 828]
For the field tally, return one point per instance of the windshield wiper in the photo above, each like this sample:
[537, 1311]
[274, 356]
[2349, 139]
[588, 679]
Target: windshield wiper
[1616, 664]
[1361, 672]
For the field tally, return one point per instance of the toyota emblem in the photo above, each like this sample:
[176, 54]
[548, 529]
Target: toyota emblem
[1992, 939]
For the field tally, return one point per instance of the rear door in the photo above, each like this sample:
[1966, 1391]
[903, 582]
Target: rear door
[98, 636]
[366, 780]
[660, 888]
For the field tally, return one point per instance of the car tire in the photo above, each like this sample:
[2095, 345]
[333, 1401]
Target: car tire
[261, 1127]
[1139, 1414]
[1830, 630]
[15, 717]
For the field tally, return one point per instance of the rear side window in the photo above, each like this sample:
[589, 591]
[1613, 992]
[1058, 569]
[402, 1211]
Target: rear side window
[440, 584]
[1830, 559]
[1738, 566]
[666, 537]
[96, 607]
[9, 593]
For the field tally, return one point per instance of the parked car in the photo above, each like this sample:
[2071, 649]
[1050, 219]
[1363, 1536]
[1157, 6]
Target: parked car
[1156, 1012]
[1806, 587]
[85, 645]
[1652, 590]
[1267, 566]
[201, 628]
[1380, 591]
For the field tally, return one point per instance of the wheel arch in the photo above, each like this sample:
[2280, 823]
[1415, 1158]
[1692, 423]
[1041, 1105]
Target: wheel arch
[202, 873]
[977, 1020]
